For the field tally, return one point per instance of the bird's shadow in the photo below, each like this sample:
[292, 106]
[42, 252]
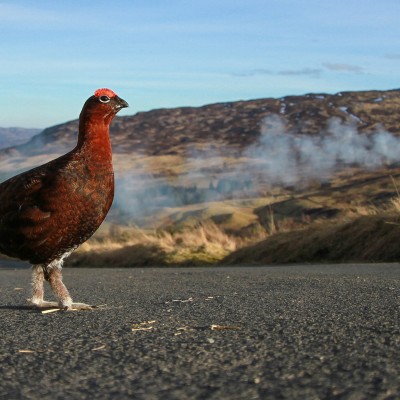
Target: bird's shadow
[19, 308]
[33, 309]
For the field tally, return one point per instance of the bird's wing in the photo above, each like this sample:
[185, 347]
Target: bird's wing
[24, 214]
[20, 192]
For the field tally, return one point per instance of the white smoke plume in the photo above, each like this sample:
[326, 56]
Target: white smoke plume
[289, 158]
[281, 157]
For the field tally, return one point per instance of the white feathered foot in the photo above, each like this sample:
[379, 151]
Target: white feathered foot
[52, 274]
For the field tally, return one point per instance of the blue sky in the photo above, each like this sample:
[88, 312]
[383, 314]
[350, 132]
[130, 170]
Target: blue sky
[172, 53]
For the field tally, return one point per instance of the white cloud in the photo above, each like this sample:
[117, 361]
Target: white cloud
[311, 72]
[339, 67]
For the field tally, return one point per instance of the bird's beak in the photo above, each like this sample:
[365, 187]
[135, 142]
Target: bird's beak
[120, 103]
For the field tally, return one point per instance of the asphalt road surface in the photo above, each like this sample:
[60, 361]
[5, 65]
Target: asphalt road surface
[291, 332]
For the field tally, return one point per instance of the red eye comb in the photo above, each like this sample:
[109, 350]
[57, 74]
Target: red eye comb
[104, 92]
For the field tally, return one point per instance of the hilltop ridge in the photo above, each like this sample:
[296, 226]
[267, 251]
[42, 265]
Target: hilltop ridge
[233, 124]
[15, 136]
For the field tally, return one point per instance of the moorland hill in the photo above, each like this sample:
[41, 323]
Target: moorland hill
[197, 184]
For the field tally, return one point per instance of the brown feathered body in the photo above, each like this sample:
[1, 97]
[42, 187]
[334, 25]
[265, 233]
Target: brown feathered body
[52, 209]
[48, 211]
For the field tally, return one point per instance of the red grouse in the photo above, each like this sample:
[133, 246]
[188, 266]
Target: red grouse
[48, 211]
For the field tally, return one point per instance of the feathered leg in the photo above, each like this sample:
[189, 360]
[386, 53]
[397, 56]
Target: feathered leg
[59, 289]
[52, 273]
[38, 277]
[37, 285]
[61, 292]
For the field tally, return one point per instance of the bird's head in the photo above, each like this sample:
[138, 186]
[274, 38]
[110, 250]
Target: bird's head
[104, 104]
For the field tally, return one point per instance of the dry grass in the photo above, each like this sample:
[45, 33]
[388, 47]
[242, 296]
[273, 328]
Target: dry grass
[367, 239]
[310, 227]
[125, 247]
[362, 234]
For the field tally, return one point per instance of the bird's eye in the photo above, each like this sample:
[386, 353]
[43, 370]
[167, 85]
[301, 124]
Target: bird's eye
[104, 99]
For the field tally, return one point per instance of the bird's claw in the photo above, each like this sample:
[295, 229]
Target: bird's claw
[42, 303]
[80, 306]
[69, 306]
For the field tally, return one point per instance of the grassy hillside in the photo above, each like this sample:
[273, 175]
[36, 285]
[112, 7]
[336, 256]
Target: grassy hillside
[357, 221]
[373, 238]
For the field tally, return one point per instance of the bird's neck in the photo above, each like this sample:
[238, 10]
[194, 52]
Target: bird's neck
[94, 139]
